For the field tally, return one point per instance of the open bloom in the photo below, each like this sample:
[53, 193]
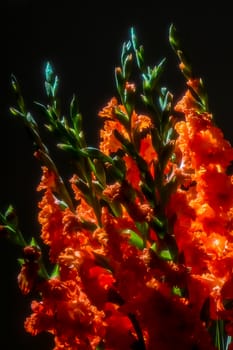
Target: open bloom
[202, 219]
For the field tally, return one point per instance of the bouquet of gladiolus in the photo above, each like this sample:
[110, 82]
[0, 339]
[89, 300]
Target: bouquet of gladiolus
[140, 238]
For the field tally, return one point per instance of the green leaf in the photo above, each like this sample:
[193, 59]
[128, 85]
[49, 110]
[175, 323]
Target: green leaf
[73, 107]
[17, 90]
[122, 117]
[49, 72]
[99, 171]
[125, 52]
[134, 238]
[55, 272]
[120, 82]
[127, 67]
[33, 243]
[139, 50]
[165, 254]
[76, 118]
[51, 81]
[55, 86]
[156, 73]
[126, 144]
[48, 88]
[93, 152]
[9, 224]
[83, 186]
[20, 261]
[173, 39]
[143, 228]
[10, 214]
[147, 191]
[14, 83]
[16, 112]
[177, 291]
[116, 208]
[165, 99]
[75, 152]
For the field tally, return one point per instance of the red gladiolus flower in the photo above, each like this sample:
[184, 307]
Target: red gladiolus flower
[140, 237]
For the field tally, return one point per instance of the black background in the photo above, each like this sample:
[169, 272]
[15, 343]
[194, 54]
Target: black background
[84, 43]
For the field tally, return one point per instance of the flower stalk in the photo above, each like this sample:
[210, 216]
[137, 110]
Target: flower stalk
[140, 237]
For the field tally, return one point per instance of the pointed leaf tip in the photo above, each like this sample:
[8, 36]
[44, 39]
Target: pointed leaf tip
[174, 42]
[132, 31]
[14, 83]
[48, 72]
[134, 38]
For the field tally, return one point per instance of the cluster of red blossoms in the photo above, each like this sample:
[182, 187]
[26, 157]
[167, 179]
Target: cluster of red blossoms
[143, 255]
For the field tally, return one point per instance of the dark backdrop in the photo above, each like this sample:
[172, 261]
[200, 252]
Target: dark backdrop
[83, 43]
